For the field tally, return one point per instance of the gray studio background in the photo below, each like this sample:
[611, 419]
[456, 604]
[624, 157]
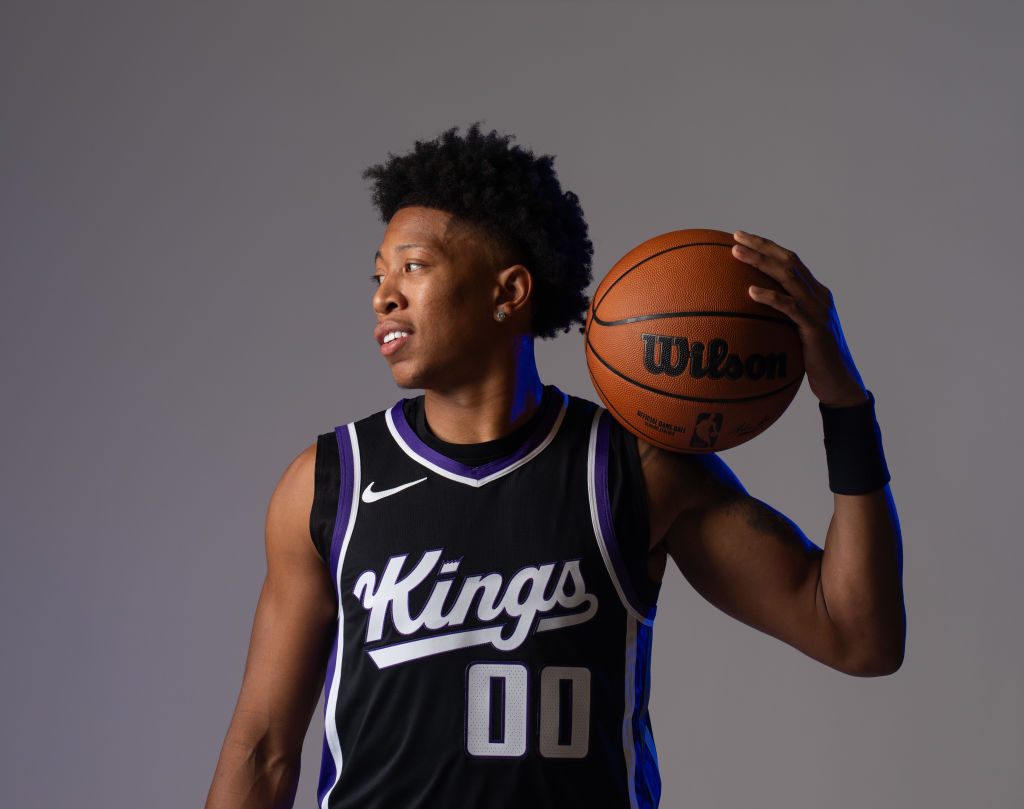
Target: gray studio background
[186, 241]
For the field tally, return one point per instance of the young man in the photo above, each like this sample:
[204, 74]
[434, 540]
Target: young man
[471, 575]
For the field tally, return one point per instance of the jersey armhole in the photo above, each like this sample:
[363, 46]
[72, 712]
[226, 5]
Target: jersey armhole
[627, 491]
[326, 493]
[620, 520]
[335, 492]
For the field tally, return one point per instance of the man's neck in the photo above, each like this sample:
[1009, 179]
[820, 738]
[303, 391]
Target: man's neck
[489, 409]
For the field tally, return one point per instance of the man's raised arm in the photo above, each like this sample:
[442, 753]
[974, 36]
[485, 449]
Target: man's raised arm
[842, 605]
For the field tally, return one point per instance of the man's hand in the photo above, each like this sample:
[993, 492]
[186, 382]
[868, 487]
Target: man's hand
[831, 373]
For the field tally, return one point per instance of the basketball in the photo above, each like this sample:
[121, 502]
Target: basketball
[679, 352]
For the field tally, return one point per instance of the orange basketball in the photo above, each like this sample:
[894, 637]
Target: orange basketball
[681, 354]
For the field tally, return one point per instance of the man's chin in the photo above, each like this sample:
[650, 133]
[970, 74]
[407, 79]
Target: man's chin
[407, 381]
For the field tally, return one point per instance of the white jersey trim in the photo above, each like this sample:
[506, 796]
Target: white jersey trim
[628, 741]
[602, 540]
[440, 470]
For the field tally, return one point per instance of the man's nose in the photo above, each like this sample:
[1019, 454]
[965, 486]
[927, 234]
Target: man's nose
[388, 296]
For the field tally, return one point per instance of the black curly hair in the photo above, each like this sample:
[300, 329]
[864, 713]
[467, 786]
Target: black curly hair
[514, 196]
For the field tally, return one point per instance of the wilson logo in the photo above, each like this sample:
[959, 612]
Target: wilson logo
[673, 356]
[535, 599]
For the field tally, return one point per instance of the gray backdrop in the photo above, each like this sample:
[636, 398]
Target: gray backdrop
[186, 242]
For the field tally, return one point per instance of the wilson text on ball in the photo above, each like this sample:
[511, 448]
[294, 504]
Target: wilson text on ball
[673, 356]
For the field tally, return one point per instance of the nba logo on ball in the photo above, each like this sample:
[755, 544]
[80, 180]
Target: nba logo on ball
[706, 430]
[681, 354]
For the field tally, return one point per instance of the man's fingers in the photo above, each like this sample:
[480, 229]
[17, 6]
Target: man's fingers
[778, 301]
[774, 266]
[760, 244]
[776, 262]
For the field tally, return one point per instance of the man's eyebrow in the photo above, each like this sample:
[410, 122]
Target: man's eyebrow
[377, 256]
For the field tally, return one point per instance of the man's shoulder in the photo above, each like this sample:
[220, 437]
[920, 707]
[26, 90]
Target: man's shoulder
[298, 475]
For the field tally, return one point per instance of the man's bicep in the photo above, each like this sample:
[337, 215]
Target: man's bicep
[294, 622]
[751, 562]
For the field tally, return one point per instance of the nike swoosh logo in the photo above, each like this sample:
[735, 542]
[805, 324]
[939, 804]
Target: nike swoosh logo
[370, 496]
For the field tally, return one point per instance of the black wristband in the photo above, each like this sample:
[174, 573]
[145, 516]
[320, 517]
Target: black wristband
[853, 448]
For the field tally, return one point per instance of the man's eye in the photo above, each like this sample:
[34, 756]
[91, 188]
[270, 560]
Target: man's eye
[409, 266]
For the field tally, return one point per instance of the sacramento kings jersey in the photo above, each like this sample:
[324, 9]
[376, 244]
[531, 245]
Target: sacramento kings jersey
[493, 648]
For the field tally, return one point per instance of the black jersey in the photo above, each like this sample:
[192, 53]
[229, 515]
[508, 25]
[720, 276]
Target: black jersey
[492, 649]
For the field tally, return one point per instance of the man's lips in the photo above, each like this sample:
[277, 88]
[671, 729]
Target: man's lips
[391, 335]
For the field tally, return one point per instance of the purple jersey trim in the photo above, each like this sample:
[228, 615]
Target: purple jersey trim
[604, 514]
[547, 421]
[328, 773]
[646, 778]
[340, 527]
[344, 495]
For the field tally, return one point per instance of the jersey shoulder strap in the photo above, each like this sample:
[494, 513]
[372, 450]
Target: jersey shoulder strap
[327, 479]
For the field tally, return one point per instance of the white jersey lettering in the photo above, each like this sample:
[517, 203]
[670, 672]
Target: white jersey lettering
[509, 611]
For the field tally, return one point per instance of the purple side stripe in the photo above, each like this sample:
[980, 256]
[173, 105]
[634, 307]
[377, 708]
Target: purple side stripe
[647, 780]
[344, 496]
[547, 421]
[327, 771]
[604, 516]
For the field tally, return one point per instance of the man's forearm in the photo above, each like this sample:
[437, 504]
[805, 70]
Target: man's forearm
[249, 777]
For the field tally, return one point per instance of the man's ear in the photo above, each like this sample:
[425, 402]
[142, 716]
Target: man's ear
[514, 289]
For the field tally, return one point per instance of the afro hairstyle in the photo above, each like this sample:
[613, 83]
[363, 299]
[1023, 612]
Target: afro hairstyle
[514, 197]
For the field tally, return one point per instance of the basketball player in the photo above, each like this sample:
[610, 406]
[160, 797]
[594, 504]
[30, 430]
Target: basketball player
[471, 575]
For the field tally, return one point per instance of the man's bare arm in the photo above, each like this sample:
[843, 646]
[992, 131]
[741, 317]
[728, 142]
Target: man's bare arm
[291, 636]
[842, 605]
